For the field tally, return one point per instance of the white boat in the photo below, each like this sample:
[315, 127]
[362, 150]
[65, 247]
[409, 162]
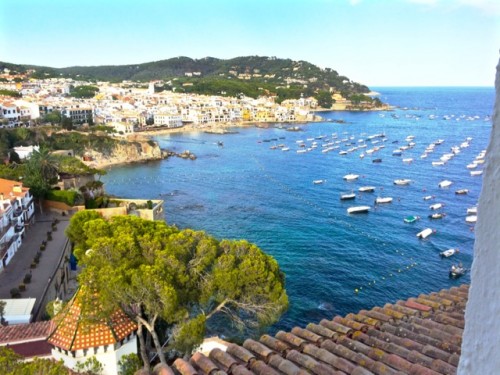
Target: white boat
[471, 166]
[462, 192]
[383, 200]
[407, 160]
[397, 153]
[358, 209]
[472, 211]
[285, 149]
[301, 151]
[436, 206]
[317, 182]
[437, 163]
[361, 155]
[367, 189]
[476, 173]
[444, 183]
[402, 181]
[429, 197]
[471, 218]
[448, 253]
[347, 196]
[457, 271]
[425, 233]
[343, 153]
[351, 177]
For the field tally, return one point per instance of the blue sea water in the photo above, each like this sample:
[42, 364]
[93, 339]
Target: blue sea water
[248, 190]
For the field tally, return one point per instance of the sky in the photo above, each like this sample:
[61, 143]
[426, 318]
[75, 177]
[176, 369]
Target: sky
[374, 42]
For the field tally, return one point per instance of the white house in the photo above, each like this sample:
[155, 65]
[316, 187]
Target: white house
[25, 152]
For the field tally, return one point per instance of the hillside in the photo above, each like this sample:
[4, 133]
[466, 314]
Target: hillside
[251, 75]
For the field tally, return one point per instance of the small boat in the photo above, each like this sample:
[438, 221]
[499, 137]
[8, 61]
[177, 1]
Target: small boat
[367, 189]
[397, 153]
[425, 233]
[476, 173]
[361, 155]
[383, 200]
[377, 160]
[472, 211]
[462, 191]
[448, 253]
[408, 160]
[472, 166]
[437, 163]
[457, 270]
[402, 181]
[358, 209]
[436, 206]
[285, 149]
[444, 184]
[437, 215]
[411, 219]
[429, 197]
[347, 196]
[301, 151]
[471, 219]
[351, 177]
[318, 182]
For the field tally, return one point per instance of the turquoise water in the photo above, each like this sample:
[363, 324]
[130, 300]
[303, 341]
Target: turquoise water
[248, 190]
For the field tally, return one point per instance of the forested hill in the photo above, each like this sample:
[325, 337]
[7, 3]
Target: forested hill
[252, 72]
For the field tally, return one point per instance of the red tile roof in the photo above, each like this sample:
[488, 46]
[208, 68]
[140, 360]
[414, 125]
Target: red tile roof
[420, 336]
[74, 333]
[25, 332]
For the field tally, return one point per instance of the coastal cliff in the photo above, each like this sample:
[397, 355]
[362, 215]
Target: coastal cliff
[124, 152]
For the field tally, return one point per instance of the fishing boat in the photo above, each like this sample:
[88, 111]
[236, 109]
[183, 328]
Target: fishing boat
[448, 253]
[471, 219]
[436, 206]
[367, 189]
[437, 215]
[379, 200]
[462, 191]
[351, 177]
[445, 183]
[472, 211]
[411, 219]
[425, 233]
[429, 197]
[347, 196]
[318, 182]
[402, 181]
[457, 270]
[358, 209]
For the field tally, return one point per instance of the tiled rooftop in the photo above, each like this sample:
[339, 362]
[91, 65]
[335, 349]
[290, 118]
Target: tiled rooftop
[25, 332]
[72, 333]
[420, 336]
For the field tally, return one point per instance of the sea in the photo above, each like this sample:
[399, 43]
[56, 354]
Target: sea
[250, 187]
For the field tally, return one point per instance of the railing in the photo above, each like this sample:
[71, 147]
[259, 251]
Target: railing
[4, 247]
[26, 205]
[4, 230]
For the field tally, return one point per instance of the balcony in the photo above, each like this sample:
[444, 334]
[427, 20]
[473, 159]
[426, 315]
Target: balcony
[27, 204]
[19, 228]
[18, 212]
[4, 247]
[4, 230]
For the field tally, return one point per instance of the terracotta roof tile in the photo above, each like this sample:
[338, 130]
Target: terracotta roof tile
[420, 336]
[23, 332]
[183, 367]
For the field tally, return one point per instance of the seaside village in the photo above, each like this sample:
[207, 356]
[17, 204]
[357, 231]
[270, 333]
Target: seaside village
[421, 335]
[130, 107]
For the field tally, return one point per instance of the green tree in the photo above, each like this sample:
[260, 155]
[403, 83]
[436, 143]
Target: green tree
[129, 364]
[324, 99]
[40, 173]
[13, 364]
[91, 366]
[181, 278]
[53, 117]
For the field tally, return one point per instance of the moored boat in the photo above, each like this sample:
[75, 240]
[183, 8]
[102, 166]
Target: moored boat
[378, 160]
[411, 219]
[383, 200]
[448, 253]
[476, 173]
[436, 206]
[462, 191]
[425, 233]
[402, 181]
[429, 197]
[351, 177]
[318, 182]
[457, 270]
[347, 196]
[445, 183]
[472, 211]
[471, 219]
[367, 189]
[437, 215]
[358, 209]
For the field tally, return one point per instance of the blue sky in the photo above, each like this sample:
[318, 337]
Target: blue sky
[375, 42]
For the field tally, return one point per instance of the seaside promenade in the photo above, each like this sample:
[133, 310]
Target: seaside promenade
[19, 266]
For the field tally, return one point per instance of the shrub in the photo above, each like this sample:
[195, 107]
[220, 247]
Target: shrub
[27, 278]
[22, 287]
[42, 247]
[33, 265]
[15, 293]
[65, 196]
[149, 204]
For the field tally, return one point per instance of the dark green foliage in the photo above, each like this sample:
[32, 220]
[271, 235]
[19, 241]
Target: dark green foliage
[12, 172]
[65, 196]
[324, 99]
[84, 91]
[12, 93]
[27, 278]
[14, 293]
[14, 364]
[129, 364]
